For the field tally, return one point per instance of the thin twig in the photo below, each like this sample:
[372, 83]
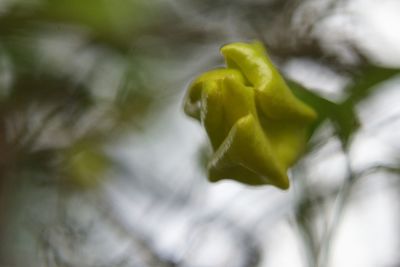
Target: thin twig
[337, 213]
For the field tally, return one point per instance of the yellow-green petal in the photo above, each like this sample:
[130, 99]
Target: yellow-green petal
[257, 127]
[246, 155]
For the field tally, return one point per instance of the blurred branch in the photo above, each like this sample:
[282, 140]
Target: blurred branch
[337, 212]
[249, 252]
[308, 208]
[303, 220]
[138, 250]
[378, 168]
[150, 255]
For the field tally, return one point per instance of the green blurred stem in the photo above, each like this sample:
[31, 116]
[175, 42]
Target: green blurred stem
[337, 213]
[303, 218]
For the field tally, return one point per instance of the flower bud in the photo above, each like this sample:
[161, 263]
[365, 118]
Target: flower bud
[256, 126]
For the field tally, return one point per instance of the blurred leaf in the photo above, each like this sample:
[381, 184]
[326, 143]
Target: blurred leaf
[132, 101]
[115, 23]
[69, 98]
[366, 81]
[41, 161]
[341, 115]
[115, 19]
[86, 163]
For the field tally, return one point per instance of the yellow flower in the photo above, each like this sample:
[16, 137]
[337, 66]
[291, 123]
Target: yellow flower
[255, 124]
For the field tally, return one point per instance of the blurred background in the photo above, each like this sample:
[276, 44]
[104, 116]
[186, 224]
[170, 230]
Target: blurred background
[100, 167]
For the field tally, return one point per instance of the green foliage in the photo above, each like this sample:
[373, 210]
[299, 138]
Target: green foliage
[343, 115]
[47, 109]
[85, 164]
